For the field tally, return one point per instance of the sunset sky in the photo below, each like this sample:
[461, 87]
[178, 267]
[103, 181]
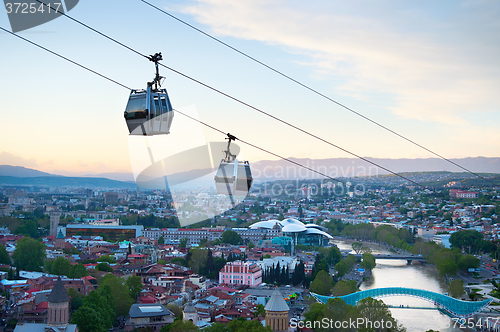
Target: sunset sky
[428, 70]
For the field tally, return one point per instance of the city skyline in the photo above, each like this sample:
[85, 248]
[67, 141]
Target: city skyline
[429, 72]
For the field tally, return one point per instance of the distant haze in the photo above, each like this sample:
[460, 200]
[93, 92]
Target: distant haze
[267, 170]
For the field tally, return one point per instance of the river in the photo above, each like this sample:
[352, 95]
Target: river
[395, 273]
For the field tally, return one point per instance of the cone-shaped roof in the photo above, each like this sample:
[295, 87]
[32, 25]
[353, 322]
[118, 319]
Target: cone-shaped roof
[60, 235]
[189, 308]
[58, 293]
[277, 303]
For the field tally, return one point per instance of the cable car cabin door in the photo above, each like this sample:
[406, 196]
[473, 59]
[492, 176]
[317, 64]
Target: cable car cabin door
[160, 112]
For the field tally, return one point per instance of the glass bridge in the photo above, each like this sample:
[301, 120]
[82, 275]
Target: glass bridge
[457, 308]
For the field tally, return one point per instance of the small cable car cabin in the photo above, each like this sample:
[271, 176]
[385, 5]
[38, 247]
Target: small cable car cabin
[233, 177]
[149, 112]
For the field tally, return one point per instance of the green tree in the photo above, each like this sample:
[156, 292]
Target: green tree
[134, 284]
[447, 267]
[456, 288]
[341, 268]
[322, 284]
[180, 326]
[468, 261]
[344, 287]
[260, 311]
[183, 242]
[251, 245]
[4, 256]
[298, 274]
[29, 254]
[356, 246]
[120, 293]
[368, 262]
[104, 267]
[107, 258]
[175, 309]
[60, 266]
[231, 237]
[161, 240]
[78, 271]
[198, 260]
[243, 325]
[76, 298]
[88, 320]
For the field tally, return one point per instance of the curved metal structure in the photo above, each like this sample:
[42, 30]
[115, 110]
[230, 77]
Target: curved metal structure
[457, 308]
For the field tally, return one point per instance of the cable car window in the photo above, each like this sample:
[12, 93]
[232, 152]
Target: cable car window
[136, 107]
[157, 106]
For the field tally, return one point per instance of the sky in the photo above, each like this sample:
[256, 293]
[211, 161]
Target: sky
[428, 70]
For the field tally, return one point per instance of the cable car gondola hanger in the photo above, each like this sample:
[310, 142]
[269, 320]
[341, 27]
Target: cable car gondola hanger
[149, 112]
[233, 177]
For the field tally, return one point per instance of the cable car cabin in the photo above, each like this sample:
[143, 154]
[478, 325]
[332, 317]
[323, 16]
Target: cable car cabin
[233, 178]
[149, 112]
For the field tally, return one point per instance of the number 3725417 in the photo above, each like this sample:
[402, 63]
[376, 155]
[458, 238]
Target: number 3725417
[32, 8]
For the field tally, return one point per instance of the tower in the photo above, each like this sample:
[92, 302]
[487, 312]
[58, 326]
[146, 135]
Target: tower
[189, 313]
[277, 312]
[59, 243]
[54, 222]
[58, 313]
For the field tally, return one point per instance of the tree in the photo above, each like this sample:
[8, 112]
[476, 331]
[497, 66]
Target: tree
[447, 267]
[77, 271]
[29, 254]
[368, 262]
[356, 246]
[298, 274]
[180, 326]
[198, 260]
[456, 288]
[341, 268]
[107, 258]
[4, 256]
[120, 293]
[260, 311]
[175, 309]
[60, 266]
[322, 284]
[468, 261]
[251, 245]
[243, 325]
[104, 267]
[134, 284]
[183, 242]
[161, 240]
[231, 237]
[76, 298]
[87, 320]
[344, 287]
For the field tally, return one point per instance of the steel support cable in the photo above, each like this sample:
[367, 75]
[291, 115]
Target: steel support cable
[236, 99]
[188, 116]
[312, 90]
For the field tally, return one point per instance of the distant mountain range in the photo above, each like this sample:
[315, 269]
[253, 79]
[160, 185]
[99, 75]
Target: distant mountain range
[265, 170]
[17, 175]
[350, 167]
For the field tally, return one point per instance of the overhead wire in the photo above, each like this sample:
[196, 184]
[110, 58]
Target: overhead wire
[177, 111]
[313, 90]
[235, 99]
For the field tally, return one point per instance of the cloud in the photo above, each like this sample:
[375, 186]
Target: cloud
[8, 158]
[434, 64]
